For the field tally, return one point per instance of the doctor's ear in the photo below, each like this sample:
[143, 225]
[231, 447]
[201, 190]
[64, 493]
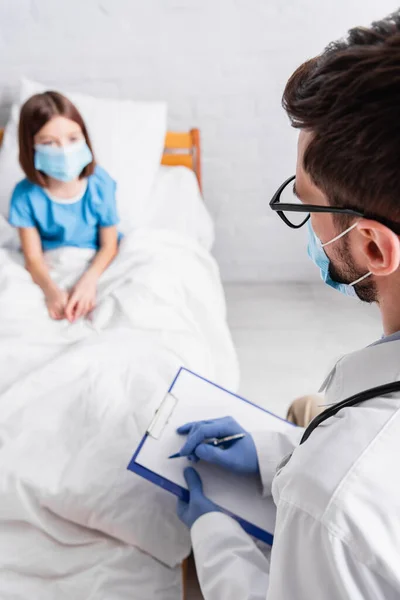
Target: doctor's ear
[380, 246]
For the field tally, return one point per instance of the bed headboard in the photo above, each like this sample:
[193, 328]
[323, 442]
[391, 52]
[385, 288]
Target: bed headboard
[181, 149]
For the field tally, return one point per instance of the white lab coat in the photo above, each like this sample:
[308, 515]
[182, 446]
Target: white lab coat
[337, 532]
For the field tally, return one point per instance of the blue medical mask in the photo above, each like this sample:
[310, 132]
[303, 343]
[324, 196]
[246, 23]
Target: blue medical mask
[319, 257]
[63, 163]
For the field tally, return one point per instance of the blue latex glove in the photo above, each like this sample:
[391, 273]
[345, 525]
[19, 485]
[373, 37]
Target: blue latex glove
[198, 504]
[240, 456]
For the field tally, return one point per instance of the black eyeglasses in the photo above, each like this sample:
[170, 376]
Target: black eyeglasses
[296, 214]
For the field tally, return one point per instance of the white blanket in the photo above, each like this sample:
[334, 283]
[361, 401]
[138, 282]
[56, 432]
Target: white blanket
[74, 402]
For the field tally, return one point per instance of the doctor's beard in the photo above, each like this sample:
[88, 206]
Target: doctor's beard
[346, 271]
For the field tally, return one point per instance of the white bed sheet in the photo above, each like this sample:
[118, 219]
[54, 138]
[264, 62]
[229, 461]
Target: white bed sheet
[177, 205]
[74, 402]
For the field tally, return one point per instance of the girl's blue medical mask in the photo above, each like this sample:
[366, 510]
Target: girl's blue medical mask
[62, 163]
[319, 257]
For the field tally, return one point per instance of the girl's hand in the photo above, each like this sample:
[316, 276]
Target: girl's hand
[82, 299]
[56, 301]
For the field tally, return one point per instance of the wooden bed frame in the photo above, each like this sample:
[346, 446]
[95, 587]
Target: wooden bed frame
[181, 149]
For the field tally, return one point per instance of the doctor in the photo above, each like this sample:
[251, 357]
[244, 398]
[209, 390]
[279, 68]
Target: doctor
[337, 531]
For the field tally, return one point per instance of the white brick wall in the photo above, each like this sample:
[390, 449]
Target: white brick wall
[221, 65]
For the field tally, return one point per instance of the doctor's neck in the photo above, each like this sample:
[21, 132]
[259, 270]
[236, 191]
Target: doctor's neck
[389, 304]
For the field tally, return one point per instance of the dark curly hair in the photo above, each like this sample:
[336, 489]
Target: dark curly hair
[348, 97]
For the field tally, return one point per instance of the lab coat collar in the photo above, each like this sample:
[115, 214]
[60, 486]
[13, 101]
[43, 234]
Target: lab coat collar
[372, 366]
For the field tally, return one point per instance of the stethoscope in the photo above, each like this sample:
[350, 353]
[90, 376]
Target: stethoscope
[380, 390]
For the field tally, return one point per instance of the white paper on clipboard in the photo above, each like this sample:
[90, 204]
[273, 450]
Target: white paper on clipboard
[195, 399]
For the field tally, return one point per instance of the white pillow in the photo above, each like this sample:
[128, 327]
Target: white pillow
[128, 141]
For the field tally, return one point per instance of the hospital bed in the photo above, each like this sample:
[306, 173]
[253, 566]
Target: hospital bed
[75, 400]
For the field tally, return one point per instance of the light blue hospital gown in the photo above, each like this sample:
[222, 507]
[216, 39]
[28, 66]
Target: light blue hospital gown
[74, 223]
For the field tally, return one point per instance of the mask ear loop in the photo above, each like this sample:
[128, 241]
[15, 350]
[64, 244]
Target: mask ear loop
[361, 278]
[338, 238]
[340, 235]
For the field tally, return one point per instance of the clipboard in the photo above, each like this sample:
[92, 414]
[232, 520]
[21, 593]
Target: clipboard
[238, 496]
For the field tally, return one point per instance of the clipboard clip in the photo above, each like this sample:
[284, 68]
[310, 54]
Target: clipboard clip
[162, 416]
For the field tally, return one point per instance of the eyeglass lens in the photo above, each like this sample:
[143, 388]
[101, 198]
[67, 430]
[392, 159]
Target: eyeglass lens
[289, 197]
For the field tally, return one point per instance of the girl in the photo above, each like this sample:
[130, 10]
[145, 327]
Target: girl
[65, 200]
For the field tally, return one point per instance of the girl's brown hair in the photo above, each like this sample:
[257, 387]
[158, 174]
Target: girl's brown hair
[35, 113]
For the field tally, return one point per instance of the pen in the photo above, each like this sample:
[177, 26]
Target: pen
[216, 442]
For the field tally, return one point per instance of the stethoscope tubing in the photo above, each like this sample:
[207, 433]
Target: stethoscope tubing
[380, 390]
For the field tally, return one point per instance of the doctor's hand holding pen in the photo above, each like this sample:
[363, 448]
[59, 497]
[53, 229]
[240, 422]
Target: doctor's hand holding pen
[221, 442]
